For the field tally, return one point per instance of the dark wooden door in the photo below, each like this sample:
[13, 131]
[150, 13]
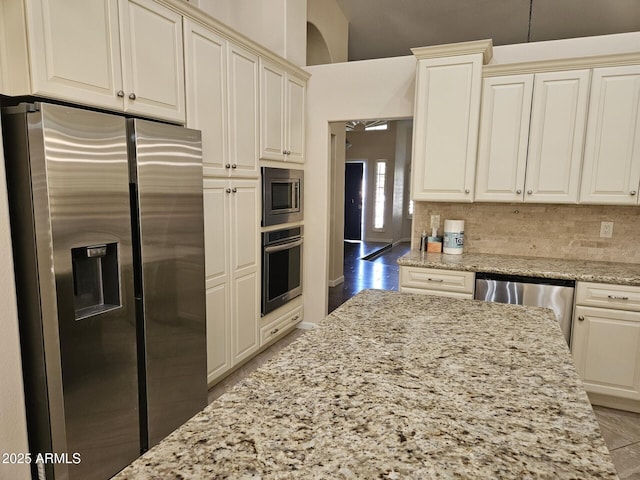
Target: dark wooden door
[353, 201]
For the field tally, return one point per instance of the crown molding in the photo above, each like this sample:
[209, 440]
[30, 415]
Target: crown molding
[485, 47]
[614, 60]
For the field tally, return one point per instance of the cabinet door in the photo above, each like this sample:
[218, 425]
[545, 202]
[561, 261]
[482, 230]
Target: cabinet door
[272, 113]
[295, 119]
[245, 268]
[206, 91]
[153, 65]
[556, 136]
[446, 128]
[243, 112]
[504, 136]
[606, 351]
[611, 173]
[217, 233]
[75, 51]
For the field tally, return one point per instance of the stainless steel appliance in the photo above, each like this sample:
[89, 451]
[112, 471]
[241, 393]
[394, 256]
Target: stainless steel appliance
[537, 292]
[281, 196]
[107, 226]
[281, 267]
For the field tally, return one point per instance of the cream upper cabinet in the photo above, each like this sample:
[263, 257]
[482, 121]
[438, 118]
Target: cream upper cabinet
[531, 137]
[120, 55]
[153, 65]
[243, 124]
[504, 137]
[611, 172]
[447, 107]
[282, 115]
[556, 136]
[206, 91]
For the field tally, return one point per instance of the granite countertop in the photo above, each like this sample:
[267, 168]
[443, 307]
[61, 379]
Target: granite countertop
[580, 270]
[394, 385]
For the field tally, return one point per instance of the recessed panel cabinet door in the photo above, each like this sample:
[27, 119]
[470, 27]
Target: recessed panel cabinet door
[272, 94]
[611, 173]
[206, 91]
[153, 65]
[556, 136]
[446, 128]
[606, 351]
[75, 51]
[295, 126]
[504, 136]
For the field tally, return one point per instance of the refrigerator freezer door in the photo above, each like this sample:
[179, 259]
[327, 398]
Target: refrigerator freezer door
[167, 165]
[70, 190]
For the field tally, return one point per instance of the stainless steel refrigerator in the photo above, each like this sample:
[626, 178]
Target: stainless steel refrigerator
[107, 228]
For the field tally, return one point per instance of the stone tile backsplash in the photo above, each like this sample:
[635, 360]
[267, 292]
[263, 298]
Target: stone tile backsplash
[555, 231]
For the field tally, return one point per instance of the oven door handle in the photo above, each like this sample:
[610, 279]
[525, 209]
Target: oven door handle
[284, 246]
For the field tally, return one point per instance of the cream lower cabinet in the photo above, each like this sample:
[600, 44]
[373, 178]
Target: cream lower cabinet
[531, 137]
[282, 114]
[232, 266]
[122, 55]
[606, 343]
[611, 171]
[444, 283]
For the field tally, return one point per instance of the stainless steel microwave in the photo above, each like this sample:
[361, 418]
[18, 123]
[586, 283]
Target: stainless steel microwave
[281, 196]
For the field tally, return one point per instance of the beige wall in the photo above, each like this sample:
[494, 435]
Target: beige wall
[13, 428]
[336, 208]
[556, 231]
[332, 25]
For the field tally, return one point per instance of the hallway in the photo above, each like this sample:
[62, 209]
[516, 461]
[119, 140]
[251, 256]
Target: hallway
[367, 265]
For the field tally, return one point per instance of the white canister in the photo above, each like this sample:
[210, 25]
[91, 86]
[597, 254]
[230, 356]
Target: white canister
[453, 236]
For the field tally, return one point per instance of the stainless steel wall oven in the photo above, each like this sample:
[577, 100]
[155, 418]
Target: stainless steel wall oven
[281, 196]
[281, 267]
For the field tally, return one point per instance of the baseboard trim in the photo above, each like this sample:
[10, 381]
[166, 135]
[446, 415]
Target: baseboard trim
[337, 281]
[306, 326]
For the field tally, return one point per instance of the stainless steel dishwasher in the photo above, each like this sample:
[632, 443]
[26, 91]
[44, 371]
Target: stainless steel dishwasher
[536, 292]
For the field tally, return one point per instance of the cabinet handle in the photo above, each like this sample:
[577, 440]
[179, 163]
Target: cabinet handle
[132, 96]
[615, 297]
[529, 192]
[234, 166]
[519, 191]
[439, 280]
[228, 190]
[581, 318]
[234, 190]
[632, 192]
[120, 93]
[274, 331]
[295, 318]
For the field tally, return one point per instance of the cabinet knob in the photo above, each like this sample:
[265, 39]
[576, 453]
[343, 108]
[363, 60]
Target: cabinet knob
[234, 190]
[234, 166]
[519, 191]
[529, 192]
[120, 93]
[581, 318]
[632, 192]
[228, 165]
[467, 190]
[132, 96]
[228, 190]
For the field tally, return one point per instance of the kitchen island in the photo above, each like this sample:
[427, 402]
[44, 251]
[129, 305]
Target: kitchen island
[395, 385]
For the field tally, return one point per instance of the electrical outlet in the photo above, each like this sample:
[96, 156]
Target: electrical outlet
[435, 221]
[606, 229]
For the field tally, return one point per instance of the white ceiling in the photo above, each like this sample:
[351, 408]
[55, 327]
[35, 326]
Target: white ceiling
[389, 28]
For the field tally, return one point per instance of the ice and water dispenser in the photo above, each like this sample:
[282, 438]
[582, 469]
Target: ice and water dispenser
[96, 279]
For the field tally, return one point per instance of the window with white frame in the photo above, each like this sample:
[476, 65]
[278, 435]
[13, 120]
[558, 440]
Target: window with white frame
[379, 195]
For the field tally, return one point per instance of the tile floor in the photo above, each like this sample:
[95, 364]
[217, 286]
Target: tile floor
[621, 430]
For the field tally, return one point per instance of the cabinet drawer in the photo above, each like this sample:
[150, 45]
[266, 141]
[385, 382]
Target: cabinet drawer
[619, 297]
[433, 279]
[275, 327]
